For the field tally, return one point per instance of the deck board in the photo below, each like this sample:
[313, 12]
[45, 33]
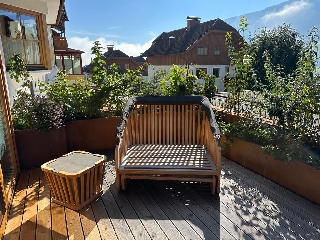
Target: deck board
[43, 230]
[248, 207]
[203, 227]
[129, 213]
[173, 214]
[89, 226]
[74, 226]
[103, 221]
[17, 208]
[169, 229]
[59, 225]
[285, 214]
[29, 219]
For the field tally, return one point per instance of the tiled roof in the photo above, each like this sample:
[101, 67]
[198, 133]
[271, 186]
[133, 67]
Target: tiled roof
[115, 53]
[138, 59]
[183, 38]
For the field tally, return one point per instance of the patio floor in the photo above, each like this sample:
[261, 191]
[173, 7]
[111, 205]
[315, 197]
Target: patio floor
[248, 207]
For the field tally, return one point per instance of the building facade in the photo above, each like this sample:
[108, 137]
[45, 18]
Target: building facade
[198, 46]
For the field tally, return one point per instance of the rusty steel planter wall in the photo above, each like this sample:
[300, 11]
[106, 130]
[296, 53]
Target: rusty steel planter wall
[293, 175]
[93, 134]
[35, 148]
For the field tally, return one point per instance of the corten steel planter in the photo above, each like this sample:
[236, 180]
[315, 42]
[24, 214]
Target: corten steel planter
[35, 148]
[293, 175]
[92, 134]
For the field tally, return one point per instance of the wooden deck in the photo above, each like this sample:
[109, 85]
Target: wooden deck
[248, 207]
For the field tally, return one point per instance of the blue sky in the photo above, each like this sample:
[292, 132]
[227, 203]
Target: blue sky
[131, 25]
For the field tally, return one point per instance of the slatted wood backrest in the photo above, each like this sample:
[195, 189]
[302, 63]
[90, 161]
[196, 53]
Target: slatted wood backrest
[167, 125]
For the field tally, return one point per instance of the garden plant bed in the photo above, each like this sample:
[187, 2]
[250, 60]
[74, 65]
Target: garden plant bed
[293, 175]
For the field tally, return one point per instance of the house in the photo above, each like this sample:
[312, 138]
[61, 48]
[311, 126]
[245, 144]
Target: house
[122, 60]
[26, 28]
[197, 44]
[66, 59]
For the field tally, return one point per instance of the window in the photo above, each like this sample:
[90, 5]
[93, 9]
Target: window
[216, 72]
[69, 63]
[19, 34]
[217, 50]
[202, 50]
[200, 72]
[127, 66]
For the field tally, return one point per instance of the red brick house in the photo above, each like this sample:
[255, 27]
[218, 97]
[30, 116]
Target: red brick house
[201, 44]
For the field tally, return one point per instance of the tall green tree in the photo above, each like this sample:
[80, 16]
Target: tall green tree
[283, 44]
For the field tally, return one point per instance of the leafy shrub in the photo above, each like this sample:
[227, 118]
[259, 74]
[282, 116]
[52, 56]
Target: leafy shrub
[79, 99]
[179, 82]
[152, 87]
[289, 101]
[38, 112]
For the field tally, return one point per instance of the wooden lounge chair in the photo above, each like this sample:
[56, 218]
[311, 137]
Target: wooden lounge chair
[168, 138]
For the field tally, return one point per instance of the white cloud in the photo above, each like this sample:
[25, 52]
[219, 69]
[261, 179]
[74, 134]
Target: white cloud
[95, 34]
[153, 34]
[288, 10]
[85, 44]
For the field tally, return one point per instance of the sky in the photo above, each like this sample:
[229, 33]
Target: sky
[132, 25]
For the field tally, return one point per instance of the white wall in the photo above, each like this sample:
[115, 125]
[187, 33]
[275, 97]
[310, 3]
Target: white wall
[33, 5]
[13, 86]
[48, 7]
[53, 8]
[219, 81]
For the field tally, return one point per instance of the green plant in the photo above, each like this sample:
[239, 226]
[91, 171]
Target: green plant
[19, 73]
[180, 82]
[30, 111]
[99, 73]
[284, 45]
[209, 88]
[292, 100]
[152, 87]
[241, 60]
[122, 86]
[36, 112]
[77, 98]
[82, 99]
[278, 115]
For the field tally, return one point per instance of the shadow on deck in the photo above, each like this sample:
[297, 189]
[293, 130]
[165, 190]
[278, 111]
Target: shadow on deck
[248, 207]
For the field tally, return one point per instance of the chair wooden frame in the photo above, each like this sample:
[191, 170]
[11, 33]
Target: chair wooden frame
[168, 138]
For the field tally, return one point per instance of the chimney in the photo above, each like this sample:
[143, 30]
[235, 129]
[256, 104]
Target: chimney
[110, 48]
[192, 20]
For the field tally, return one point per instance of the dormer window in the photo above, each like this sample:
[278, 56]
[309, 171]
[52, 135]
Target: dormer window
[202, 50]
